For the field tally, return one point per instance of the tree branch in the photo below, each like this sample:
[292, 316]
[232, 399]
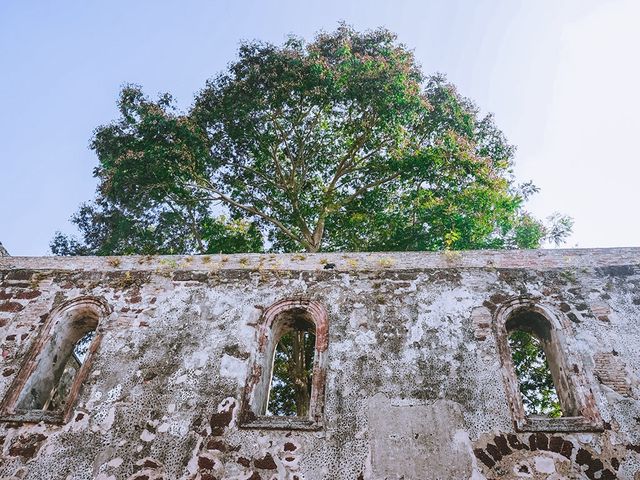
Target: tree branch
[252, 210]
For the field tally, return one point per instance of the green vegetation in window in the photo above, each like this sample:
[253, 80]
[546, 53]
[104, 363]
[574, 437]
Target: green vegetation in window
[292, 373]
[538, 391]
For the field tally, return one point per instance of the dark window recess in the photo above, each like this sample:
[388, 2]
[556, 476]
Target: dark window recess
[535, 381]
[290, 388]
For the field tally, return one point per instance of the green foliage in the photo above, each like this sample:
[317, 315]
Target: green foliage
[110, 231]
[538, 391]
[337, 144]
[292, 373]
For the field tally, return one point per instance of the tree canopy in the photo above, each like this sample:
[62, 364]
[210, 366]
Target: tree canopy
[341, 143]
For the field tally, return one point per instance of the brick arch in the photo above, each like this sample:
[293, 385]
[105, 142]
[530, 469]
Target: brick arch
[317, 313]
[87, 305]
[505, 451]
[512, 306]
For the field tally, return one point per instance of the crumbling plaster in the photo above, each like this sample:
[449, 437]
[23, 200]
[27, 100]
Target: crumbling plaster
[414, 387]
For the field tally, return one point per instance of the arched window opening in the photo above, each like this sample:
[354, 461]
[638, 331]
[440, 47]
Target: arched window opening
[286, 384]
[544, 382]
[51, 376]
[292, 373]
[539, 395]
[60, 392]
[538, 365]
[50, 384]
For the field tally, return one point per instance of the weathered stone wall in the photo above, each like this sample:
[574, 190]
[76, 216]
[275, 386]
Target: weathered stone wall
[414, 388]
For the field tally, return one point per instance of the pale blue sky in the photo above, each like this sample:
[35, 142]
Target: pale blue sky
[561, 76]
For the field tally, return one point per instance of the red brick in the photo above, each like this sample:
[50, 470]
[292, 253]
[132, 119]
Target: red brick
[28, 295]
[10, 307]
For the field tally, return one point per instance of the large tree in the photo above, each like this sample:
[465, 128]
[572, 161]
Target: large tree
[337, 144]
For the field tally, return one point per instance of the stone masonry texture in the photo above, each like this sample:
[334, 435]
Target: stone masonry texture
[414, 385]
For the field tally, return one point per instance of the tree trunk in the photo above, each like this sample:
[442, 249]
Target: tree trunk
[299, 373]
[313, 242]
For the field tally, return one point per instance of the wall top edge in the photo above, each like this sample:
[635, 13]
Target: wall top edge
[542, 259]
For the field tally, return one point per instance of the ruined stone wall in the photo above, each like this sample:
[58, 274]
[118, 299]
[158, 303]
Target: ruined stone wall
[415, 383]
